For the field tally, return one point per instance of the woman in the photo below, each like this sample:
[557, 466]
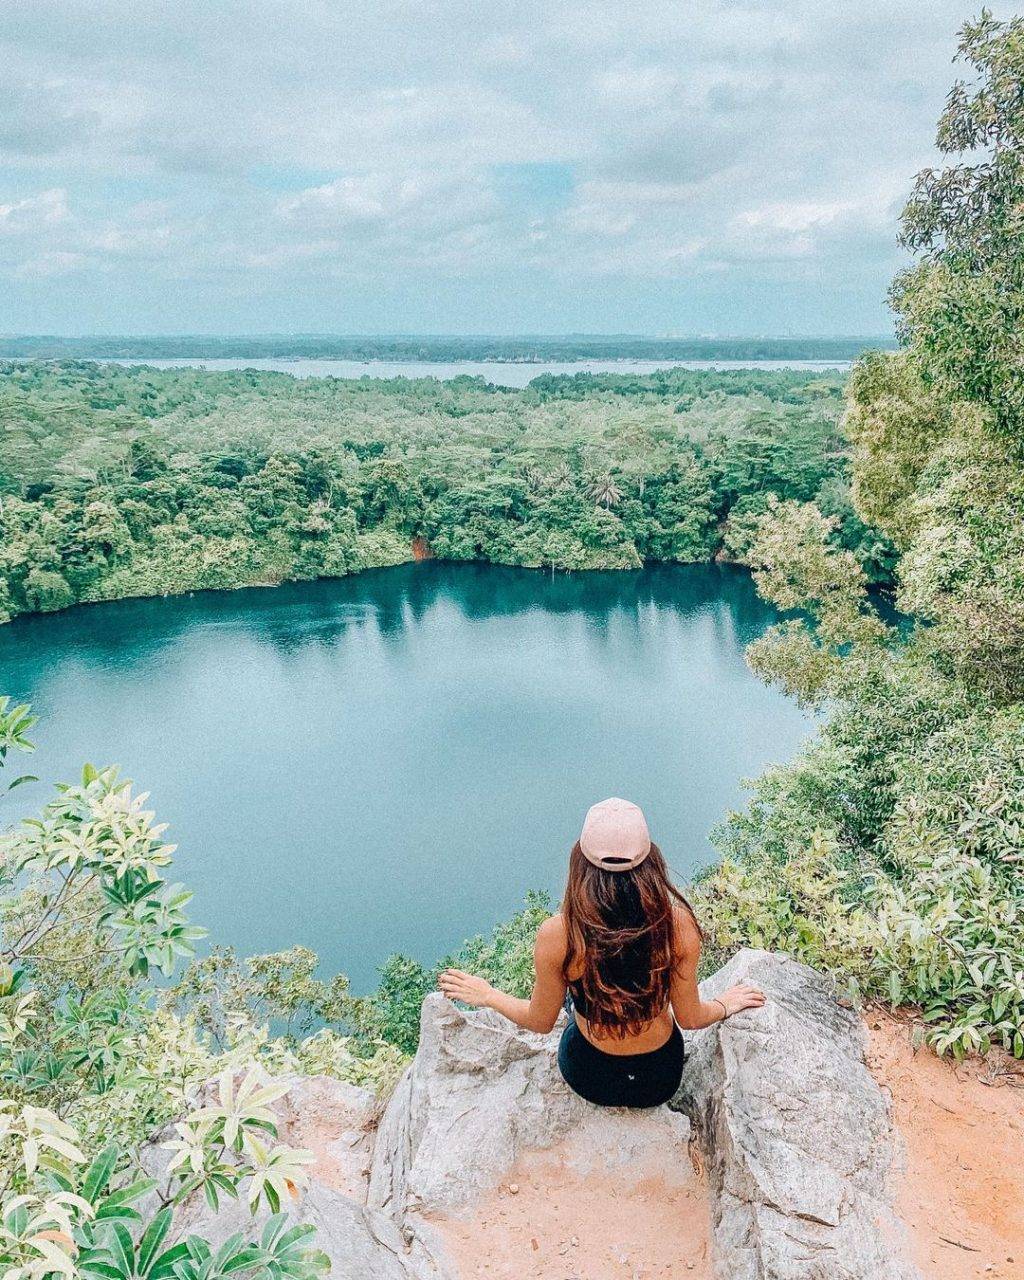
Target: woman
[625, 946]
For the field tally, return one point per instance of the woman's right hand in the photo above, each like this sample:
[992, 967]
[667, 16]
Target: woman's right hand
[741, 996]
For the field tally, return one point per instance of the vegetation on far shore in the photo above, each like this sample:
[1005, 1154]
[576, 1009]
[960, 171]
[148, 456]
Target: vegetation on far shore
[425, 348]
[122, 482]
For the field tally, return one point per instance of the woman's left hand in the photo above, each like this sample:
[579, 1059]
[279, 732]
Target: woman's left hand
[457, 985]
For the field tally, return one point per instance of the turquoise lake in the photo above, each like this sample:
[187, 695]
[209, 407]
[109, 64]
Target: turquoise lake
[389, 762]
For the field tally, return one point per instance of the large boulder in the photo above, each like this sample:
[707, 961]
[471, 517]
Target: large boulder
[480, 1094]
[795, 1133]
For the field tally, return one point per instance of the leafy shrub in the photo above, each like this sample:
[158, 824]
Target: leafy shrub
[64, 1215]
[505, 959]
[96, 1066]
[889, 851]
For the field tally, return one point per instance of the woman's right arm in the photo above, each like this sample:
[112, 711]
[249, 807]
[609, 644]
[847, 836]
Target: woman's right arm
[690, 1010]
[540, 1012]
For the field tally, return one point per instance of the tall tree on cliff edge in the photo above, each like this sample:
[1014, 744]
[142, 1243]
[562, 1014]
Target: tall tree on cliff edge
[891, 850]
[961, 312]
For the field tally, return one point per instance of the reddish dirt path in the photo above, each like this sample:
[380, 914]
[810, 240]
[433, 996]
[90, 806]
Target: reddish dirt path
[962, 1193]
[560, 1225]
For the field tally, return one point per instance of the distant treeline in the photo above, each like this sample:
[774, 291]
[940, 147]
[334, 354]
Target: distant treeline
[121, 482]
[435, 348]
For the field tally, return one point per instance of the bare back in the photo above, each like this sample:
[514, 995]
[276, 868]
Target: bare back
[550, 955]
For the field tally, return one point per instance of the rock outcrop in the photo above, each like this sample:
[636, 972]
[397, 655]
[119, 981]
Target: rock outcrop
[795, 1133]
[480, 1094]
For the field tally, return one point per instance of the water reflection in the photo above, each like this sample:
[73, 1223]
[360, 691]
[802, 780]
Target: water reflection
[394, 601]
[390, 761]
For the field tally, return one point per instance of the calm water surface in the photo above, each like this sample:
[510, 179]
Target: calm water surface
[390, 761]
[500, 373]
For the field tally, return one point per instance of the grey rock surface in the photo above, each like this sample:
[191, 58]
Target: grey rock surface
[795, 1133]
[481, 1093]
[335, 1121]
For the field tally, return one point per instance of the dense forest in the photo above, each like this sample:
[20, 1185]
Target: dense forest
[434, 348]
[118, 482]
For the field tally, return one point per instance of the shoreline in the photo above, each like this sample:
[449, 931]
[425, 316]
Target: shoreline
[412, 558]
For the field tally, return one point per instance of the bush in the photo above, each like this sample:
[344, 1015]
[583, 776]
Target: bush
[505, 959]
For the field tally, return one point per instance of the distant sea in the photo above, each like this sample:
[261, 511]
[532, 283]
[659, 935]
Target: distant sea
[500, 373]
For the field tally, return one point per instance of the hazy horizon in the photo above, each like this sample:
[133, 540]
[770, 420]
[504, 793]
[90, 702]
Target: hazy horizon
[511, 335]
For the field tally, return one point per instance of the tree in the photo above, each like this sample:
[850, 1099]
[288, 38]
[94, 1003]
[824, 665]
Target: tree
[603, 489]
[962, 308]
[889, 851]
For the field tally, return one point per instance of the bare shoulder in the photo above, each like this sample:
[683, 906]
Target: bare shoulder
[687, 934]
[552, 939]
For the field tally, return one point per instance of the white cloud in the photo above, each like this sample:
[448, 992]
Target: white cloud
[388, 198]
[812, 229]
[45, 266]
[258, 145]
[411, 217]
[794, 216]
[34, 212]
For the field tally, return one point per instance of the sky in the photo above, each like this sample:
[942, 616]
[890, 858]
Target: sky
[455, 166]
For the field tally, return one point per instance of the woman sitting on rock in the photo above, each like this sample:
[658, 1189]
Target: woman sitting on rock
[625, 947]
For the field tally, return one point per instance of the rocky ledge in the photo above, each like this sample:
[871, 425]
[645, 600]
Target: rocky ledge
[795, 1133]
[791, 1130]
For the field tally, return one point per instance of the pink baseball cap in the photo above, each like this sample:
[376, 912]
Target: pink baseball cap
[615, 835]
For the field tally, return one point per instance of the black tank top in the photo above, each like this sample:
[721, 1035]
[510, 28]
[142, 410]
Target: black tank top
[579, 1000]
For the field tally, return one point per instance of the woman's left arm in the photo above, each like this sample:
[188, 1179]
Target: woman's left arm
[540, 1012]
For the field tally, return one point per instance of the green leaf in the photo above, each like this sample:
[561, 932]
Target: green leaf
[272, 1230]
[198, 1248]
[116, 1204]
[122, 1248]
[152, 1238]
[20, 781]
[17, 1220]
[98, 1174]
[97, 1268]
[164, 1264]
[227, 1250]
[245, 1258]
[299, 1232]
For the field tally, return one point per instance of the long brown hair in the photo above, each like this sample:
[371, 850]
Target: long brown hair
[621, 941]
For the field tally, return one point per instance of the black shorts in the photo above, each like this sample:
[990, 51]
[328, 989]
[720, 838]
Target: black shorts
[620, 1080]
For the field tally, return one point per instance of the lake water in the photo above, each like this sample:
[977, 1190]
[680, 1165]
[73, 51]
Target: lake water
[500, 373]
[390, 761]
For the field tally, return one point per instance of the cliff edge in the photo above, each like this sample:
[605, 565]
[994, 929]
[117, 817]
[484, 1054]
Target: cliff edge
[775, 1161]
